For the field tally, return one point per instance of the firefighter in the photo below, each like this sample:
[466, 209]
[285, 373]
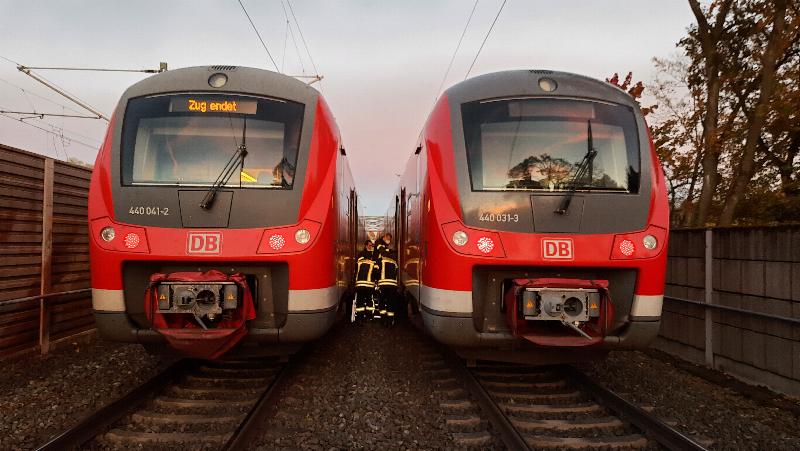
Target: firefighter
[387, 281]
[366, 271]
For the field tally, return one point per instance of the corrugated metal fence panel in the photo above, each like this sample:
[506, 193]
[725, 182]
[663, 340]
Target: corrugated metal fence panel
[21, 202]
[21, 178]
[70, 270]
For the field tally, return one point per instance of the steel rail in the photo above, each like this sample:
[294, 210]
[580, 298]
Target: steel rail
[249, 426]
[657, 429]
[508, 433]
[90, 426]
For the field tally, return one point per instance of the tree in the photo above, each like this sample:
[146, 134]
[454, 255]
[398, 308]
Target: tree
[729, 121]
[80, 162]
[709, 37]
[767, 79]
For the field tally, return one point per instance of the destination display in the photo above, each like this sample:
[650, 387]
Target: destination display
[196, 104]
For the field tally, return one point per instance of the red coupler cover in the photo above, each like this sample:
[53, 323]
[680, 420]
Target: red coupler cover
[541, 333]
[182, 331]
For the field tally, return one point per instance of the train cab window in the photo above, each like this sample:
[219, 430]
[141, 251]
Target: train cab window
[186, 140]
[541, 144]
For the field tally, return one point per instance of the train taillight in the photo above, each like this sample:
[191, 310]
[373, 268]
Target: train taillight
[132, 240]
[485, 244]
[627, 247]
[277, 242]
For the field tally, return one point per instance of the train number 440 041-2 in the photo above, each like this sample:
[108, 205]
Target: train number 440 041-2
[149, 211]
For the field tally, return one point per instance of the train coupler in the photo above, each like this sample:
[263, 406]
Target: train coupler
[201, 314]
[559, 312]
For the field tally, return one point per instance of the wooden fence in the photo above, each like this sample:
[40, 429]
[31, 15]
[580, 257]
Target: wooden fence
[43, 251]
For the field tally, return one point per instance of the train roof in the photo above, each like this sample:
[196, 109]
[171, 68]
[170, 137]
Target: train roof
[245, 80]
[526, 83]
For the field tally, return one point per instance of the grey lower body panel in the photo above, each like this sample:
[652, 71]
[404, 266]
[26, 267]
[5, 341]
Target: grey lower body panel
[300, 327]
[459, 333]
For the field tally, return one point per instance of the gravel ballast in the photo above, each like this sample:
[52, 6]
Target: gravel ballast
[42, 396]
[361, 388]
[716, 415]
[370, 387]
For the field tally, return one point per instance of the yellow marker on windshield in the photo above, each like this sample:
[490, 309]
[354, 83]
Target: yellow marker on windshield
[247, 177]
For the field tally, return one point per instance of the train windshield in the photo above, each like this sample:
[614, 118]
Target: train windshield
[551, 145]
[187, 139]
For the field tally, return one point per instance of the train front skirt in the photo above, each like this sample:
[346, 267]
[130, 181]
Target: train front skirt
[559, 312]
[200, 314]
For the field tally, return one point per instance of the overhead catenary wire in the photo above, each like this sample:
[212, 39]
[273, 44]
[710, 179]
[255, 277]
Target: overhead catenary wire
[42, 115]
[302, 38]
[458, 46]
[60, 135]
[97, 69]
[285, 38]
[485, 39]
[59, 130]
[294, 42]
[9, 60]
[259, 36]
[25, 94]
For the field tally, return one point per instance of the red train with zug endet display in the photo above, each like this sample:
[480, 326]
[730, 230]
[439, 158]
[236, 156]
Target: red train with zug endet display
[222, 214]
[532, 220]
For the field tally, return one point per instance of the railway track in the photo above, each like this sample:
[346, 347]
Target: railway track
[561, 408]
[195, 405]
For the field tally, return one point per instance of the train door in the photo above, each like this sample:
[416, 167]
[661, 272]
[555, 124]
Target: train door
[353, 223]
[352, 238]
[396, 232]
[403, 219]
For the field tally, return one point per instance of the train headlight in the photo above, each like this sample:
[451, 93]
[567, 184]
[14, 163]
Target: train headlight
[548, 84]
[107, 234]
[460, 238]
[650, 242]
[302, 236]
[217, 80]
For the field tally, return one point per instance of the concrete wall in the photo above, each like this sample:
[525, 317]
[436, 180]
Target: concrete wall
[755, 269]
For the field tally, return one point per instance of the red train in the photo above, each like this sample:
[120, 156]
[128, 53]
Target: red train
[222, 214]
[533, 220]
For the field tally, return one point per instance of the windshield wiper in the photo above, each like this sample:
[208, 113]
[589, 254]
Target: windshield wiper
[584, 166]
[236, 160]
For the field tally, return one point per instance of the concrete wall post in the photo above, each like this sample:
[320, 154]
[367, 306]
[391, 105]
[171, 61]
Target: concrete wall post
[709, 298]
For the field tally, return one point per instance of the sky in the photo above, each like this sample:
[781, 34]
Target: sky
[382, 62]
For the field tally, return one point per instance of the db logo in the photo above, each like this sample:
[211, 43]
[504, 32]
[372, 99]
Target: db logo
[203, 242]
[557, 249]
